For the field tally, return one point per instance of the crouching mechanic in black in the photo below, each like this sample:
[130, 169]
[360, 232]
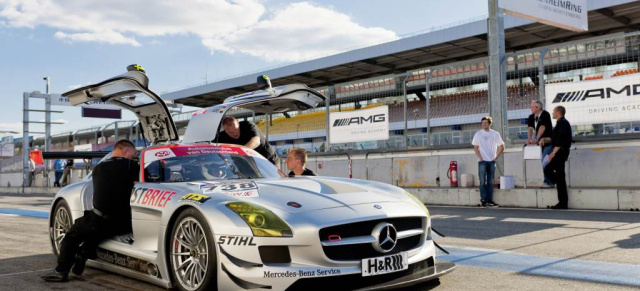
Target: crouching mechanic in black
[113, 181]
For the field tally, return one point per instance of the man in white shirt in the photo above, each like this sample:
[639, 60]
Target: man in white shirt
[32, 172]
[488, 146]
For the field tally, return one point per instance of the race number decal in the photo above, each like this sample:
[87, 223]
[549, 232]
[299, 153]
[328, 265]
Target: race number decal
[235, 189]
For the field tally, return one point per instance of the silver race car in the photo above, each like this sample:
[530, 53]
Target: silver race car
[218, 216]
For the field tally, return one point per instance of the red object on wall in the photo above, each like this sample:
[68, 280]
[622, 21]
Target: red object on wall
[452, 174]
[36, 156]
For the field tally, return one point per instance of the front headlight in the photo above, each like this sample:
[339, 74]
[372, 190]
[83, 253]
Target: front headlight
[261, 221]
[414, 198]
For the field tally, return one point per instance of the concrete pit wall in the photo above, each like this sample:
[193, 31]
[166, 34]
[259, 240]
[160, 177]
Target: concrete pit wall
[601, 176]
[14, 179]
[608, 165]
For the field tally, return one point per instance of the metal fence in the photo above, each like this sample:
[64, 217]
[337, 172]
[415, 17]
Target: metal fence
[443, 105]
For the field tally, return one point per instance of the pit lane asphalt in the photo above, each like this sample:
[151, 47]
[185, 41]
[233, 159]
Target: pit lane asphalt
[494, 249]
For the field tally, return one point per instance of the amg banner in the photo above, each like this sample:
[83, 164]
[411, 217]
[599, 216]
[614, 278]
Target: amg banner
[614, 99]
[359, 125]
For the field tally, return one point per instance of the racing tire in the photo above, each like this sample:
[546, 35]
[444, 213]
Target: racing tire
[192, 253]
[60, 225]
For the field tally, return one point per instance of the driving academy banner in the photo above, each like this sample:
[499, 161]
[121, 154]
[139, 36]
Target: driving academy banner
[614, 99]
[359, 125]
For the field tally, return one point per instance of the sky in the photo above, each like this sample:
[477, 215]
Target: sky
[185, 43]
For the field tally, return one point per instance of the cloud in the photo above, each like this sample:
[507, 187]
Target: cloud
[109, 36]
[292, 32]
[117, 21]
[300, 31]
[14, 126]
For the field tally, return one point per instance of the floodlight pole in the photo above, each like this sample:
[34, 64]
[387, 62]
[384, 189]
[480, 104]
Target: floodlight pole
[47, 130]
[405, 137]
[497, 73]
[428, 104]
[327, 108]
[25, 139]
[541, 84]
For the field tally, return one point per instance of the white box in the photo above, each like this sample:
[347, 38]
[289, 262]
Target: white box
[532, 152]
[507, 182]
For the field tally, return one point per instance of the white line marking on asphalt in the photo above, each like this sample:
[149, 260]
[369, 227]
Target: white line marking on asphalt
[536, 209]
[480, 218]
[27, 272]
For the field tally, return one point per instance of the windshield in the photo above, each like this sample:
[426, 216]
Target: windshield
[209, 166]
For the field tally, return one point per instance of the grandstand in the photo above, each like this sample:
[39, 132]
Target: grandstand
[453, 62]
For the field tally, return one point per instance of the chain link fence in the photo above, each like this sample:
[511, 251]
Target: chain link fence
[596, 80]
[442, 105]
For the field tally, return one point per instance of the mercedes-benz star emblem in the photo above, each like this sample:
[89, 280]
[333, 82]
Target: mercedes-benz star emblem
[386, 237]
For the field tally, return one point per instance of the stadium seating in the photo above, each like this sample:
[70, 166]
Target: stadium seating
[593, 77]
[466, 103]
[625, 72]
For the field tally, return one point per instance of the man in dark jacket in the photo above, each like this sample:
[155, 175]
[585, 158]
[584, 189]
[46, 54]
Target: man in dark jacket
[247, 134]
[297, 162]
[113, 181]
[561, 142]
[540, 122]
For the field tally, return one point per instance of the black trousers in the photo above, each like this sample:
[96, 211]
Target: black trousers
[89, 230]
[555, 172]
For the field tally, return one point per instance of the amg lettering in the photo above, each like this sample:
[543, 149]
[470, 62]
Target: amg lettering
[600, 93]
[360, 120]
[595, 93]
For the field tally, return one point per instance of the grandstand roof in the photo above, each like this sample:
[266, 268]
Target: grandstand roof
[466, 41]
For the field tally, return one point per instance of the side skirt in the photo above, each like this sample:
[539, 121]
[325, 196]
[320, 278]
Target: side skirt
[102, 265]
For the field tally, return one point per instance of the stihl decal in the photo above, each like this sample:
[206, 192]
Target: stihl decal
[151, 197]
[236, 240]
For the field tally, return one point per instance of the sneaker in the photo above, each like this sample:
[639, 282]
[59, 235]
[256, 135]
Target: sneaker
[55, 276]
[492, 204]
[78, 265]
[483, 203]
